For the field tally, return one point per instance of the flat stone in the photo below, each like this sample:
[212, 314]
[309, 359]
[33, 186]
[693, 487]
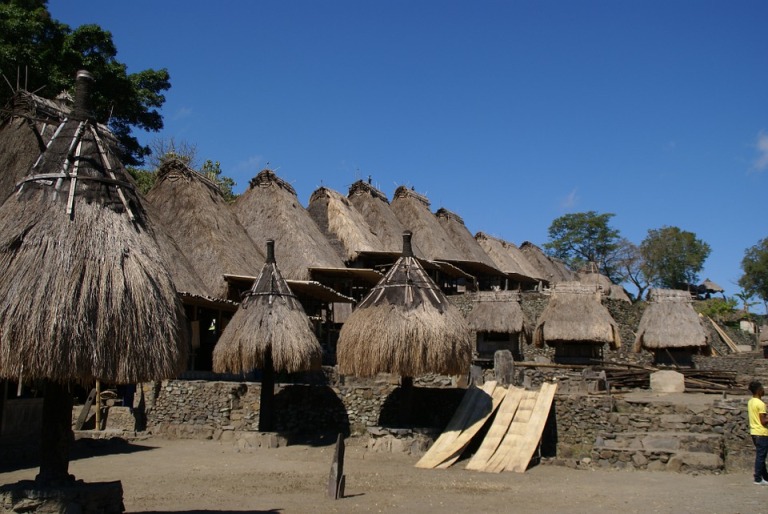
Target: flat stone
[667, 381]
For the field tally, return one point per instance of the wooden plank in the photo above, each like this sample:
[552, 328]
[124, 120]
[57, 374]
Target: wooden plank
[728, 341]
[516, 430]
[480, 416]
[86, 410]
[521, 455]
[497, 431]
[439, 451]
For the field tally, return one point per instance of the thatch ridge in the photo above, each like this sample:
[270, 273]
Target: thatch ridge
[271, 210]
[508, 258]
[669, 321]
[550, 269]
[575, 314]
[360, 187]
[462, 239]
[198, 217]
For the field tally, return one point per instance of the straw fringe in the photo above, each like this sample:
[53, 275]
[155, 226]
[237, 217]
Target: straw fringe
[669, 321]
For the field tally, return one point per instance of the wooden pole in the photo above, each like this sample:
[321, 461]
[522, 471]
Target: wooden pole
[56, 434]
[98, 404]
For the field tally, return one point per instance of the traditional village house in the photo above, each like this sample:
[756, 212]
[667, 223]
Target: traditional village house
[590, 275]
[499, 323]
[576, 324]
[84, 294]
[507, 257]
[270, 332]
[552, 270]
[671, 329]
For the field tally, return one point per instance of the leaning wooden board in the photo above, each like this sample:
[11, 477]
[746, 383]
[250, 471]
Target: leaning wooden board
[443, 446]
[480, 416]
[516, 431]
[497, 431]
[521, 455]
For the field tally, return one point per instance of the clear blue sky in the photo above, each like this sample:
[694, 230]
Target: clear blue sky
[509, 113]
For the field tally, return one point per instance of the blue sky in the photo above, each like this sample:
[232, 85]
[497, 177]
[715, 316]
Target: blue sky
[509, 113]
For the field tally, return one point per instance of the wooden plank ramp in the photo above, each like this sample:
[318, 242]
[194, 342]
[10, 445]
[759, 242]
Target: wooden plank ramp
[443, 448]
[496, 433]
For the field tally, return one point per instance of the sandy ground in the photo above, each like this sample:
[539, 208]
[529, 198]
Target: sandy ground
[206, 476]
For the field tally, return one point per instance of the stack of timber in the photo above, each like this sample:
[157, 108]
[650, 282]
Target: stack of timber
[512, 437]
[696, 380]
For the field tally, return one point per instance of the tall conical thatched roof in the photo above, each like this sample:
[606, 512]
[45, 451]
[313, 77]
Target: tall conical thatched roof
[498, 311]
[669, 321]
[550, 269]
[508, 258]
[405, 326]
[344, 227]
[463, 241]
[84, 294]
[270, 321]
[199, 219]
[270, 209]
[412, 209]
[608, 288]
[575, 314]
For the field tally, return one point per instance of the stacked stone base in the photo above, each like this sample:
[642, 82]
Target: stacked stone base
[87, 498]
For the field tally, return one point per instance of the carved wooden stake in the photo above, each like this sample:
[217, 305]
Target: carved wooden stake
[336, 479]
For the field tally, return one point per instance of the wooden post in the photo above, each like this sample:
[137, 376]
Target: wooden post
[267, 402]
[337, 479]
[56, 434]
[98, 404]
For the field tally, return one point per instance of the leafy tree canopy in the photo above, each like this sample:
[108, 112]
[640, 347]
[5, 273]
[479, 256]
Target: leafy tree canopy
[585, 237]
[673, 258]
[755, 267]
[45, 55]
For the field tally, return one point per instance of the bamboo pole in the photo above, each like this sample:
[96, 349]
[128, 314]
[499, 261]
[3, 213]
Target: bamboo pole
[98, 404]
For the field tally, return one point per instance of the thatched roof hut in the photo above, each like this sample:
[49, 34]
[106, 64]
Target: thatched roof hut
[608, 288]
[496, 313]
[575, 314]
[343, 225]
[378, 214]
[412, 209]
[552, 270]
[198, 217]
[669, 321]
[509, 259]
[270, 209]
[405, 326]
[471, 252]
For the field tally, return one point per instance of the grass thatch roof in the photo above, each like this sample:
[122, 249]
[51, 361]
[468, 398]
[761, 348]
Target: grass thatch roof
[83, 293]
[508, 258]
[270, 209]
[412, 209]
[269, 322]
[608, 288]
[498, 311]
[343, 225]
[405, 326]
[462, 239]
[377, 212]
[575, 314]
[552, 270]
[669, 321]
[198, 217]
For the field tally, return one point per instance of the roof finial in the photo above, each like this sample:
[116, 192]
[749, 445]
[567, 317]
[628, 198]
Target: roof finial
[83, 109]
[270, 251]
[407, 249]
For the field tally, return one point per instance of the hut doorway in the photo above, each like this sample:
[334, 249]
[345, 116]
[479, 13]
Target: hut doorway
[679, 357]
[578, 353]
[488, 343]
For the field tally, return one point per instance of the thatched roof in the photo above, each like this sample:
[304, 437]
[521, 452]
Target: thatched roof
[343, 225]
[552, 270]
[608, 288]
[498, 311]
[669, 321]
[270, 209]
[269, 322]
[412, 209]
[198, 217]
[405, 326]
[575, 314]
[84, 294]
[463, 241]
[710, 287]
[377, 212]
[508, 258]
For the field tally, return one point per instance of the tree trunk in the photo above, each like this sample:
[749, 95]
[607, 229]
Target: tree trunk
[267, 408]
[56, 434]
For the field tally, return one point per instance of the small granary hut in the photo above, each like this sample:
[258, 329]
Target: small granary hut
[198, 217]
[405, 326]
[270, 332]
[499, 323]
[671, 329]
[84, 294]
[591, 276]
[551, 270]
[345, 228]
[510, 260]
[270, 209]
[576, 324]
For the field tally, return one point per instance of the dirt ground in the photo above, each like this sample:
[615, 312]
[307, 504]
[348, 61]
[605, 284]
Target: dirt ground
[205, 476]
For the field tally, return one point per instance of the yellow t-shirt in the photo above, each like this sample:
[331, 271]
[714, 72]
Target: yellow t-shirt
[755, 407]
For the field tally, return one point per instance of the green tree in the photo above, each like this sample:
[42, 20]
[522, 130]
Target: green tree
[212, 171]
[755, 267]
[629, 266]
[585, 237]
[673, 258]
[145, 179]
[45, 54]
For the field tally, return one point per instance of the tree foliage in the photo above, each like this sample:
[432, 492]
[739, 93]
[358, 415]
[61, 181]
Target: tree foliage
[45, 55]
[585, 237]
[755, 267]
[673, 258]
[212, 171]
[629, 266]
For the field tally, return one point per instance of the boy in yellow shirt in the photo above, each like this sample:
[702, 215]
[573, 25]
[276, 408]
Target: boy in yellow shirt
[758, 429]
